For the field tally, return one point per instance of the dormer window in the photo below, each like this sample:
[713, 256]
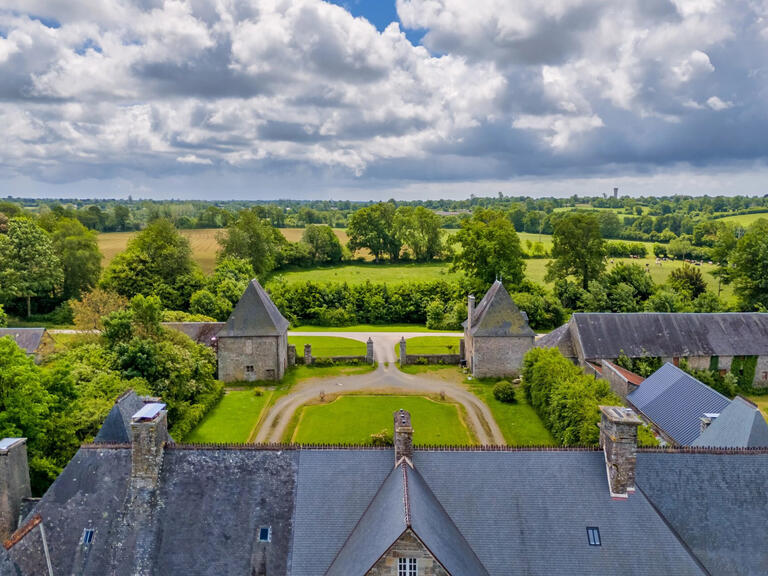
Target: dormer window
[407, 567]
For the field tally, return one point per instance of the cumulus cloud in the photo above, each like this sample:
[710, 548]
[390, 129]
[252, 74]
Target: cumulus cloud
[166, 88]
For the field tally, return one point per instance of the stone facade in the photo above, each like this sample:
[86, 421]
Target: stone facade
[14, 483]
[407, 546]
[497, 357]
[403, 436]
[252, 357]
[148, 440]
[618, 437]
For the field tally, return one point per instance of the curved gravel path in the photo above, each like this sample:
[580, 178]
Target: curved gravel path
[385, 379]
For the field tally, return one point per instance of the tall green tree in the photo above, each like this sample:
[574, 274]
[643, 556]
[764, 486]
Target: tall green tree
[750, 267]
[578, 248]
[490, 248]
[372, 227]
[29, 266]
[722, 251]
[253, 238]
[157, 261]
[78, 250]
[324, 244]
[419, 229]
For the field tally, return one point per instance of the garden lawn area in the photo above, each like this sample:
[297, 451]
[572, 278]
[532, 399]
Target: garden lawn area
[431, 345]
[519, 423]
[352, 420]
[762, 403]
[360, 272]
[366, 328]
[324, 346]
[232, 420]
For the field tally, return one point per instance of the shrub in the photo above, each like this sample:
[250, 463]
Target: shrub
[3, 317]
[504, 391]
[383, 438]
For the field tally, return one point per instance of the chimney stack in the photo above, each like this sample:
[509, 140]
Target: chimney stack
[470, 310]
[707, 420]
[149, 433]
[403, 437]
[618, 437]
[14, 483]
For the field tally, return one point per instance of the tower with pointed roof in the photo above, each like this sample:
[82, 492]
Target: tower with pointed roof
[253, 344]
[496, 335]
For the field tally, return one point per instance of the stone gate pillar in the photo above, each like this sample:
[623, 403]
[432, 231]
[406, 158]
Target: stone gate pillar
[291, 355]
[369, 351]
[403, 353]
[307, 354]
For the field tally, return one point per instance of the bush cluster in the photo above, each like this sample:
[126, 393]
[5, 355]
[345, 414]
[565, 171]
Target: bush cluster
[504, 391]
[625, 250]
[565, 398]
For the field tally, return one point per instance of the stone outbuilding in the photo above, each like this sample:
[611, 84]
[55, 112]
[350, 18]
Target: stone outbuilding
[253, 344]
[36, 342]
[496, 335]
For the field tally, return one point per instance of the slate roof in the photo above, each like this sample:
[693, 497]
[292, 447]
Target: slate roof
[255, 315]
[675, 402]
[717, 503]
[497, 315]
[117, 425]
[739, 425]
[201, 332]
[6, 566]
[628, 375]
[28, 339]
[559, 338]
[604, 335]
[404, 502]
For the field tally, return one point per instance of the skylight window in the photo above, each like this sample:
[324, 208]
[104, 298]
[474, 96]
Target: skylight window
[87, 536]
[593, 535]
[265, 534]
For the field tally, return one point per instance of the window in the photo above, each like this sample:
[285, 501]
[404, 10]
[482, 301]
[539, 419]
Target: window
[87, 536]
[593, 536]
[265, 534]
[249, 368]
[407, 567]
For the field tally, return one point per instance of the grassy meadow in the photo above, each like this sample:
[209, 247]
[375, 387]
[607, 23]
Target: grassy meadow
[233, 419]
[352, 420]
[324, 346]
[744, 219]
[367, 328]
[431, 345]
[360, 272]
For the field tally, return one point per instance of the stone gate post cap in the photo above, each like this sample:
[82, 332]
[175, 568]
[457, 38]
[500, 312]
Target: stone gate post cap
[621, 415]
[402, 419]
[8, 443]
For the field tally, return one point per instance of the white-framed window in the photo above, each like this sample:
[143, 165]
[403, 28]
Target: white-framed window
[407, 567]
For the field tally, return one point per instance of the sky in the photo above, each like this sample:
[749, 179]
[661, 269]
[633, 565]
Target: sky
[372, 99]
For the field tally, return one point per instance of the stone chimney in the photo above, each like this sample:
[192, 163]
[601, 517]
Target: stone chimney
[618, 438]
[403, 437]
[707, 420]
[149, 433]
[470, 311]
[14, 483]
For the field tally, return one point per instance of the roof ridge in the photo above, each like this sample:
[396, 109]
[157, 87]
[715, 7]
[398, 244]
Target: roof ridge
[406, 495]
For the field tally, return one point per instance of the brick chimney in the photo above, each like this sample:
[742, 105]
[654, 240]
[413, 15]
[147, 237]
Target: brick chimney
[149, 433]
[403, 437]
[618, 438]
[14, 483]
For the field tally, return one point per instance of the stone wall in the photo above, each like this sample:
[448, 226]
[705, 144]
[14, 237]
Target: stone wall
[619, 384]
[761, 372]
[407, 546]
[14, 485]
[496, 357]
[268, 355]
[454, 359]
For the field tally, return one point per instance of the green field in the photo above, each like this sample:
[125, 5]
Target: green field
[762, 403]
[324, 346]
[352, 420]
[519, 423]
[367, 328]
[232, 420]
[431, 345]
[744, 219]
[359, 272]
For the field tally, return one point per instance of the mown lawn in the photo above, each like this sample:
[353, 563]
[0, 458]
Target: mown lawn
[233, 419]
[519, 423]
[431, 345]
[352, 420]
[762, 403]
[323, 346]
[366, 328]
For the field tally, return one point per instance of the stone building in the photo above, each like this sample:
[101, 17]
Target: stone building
[706, 341]
[147, 506]
[36, 342]
[253, 344]
[496, 335]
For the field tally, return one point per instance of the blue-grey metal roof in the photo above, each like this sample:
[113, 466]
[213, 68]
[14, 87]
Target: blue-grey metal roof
[497, 315]
[607, 335]
[675, 402]
[254, 315]
[717, 503]
[739, 425]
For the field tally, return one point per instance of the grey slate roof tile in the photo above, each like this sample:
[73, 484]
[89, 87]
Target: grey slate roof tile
[28, 339]
[739, 425]
[675, 402]
[497, 315]
[117, 425]
[254, 315]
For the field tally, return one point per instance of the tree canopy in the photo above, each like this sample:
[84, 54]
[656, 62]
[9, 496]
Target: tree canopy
[750, 267]
[578, 248]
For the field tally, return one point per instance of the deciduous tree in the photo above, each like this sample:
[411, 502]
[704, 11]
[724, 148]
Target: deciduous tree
[578, 248]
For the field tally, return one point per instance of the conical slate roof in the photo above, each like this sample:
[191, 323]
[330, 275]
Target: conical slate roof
[404, 502]
[117, 425]
[497, 315]
[254, 315]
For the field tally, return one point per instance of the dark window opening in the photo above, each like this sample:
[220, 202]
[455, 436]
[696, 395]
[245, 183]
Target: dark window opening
[87, 536]
[265, 534]
[249, 368]
[593, 536]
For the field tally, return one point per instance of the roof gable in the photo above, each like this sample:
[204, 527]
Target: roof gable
[497, 315]
[739, 425]
[255, 315]
[675, 401]
[28, 339]
[117, 425]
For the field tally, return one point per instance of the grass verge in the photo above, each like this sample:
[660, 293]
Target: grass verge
[324, 346]
[233, 419]
[431, 345]
[366, 328]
